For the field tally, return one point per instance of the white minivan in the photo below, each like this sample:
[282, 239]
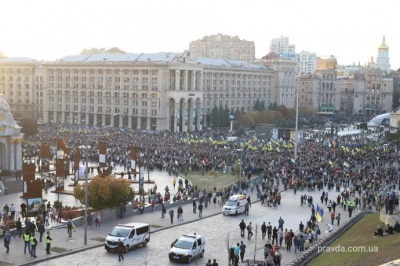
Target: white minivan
[235, 205]
[131, 234]
[187, 248]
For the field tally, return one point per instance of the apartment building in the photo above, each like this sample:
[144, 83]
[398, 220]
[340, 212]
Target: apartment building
[223, 47]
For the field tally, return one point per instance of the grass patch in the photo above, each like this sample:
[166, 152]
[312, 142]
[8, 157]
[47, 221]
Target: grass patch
[376, 250]
[211, 179]
[59, 250]
[156, 226]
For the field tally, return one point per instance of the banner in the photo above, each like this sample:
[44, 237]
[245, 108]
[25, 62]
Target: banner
[102, 154]
[45, 157]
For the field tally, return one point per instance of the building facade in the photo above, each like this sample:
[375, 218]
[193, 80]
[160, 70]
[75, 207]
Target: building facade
[282, 47]
[223, 47]
[17, 82]
[306, 62]
[149, 91]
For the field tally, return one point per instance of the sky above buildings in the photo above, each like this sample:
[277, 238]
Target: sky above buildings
[51, 29]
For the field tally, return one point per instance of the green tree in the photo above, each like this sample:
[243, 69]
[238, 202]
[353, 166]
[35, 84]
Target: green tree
[105, 192]
[29, 126]
[214, 117]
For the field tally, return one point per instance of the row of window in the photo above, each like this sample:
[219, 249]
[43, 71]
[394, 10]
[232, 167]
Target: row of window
[103, 71]
[102, 79]
[101, 94]
[100, 101]
[100, 109]
[12, 79]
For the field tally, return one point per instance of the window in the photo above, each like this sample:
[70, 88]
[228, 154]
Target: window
[144, 112]
[153, 112]
[134, 111]
[144, 103]
[145, 72]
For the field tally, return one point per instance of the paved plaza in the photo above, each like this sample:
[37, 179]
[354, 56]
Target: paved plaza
[214, 226]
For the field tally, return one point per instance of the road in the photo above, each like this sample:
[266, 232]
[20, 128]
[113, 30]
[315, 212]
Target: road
[216, 229]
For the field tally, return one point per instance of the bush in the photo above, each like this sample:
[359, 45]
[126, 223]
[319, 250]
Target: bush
[105, 192]
[57, 204]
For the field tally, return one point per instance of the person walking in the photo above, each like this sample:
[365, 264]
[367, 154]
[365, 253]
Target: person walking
[171, 215]
[120, 250]
[70, 226]
[18, 226]
[180, 213]
[242, 250]
[33, 245]
[200, 210]
[338, 219]
[41, 229]
[194, 206]
[215, 263]
[269, 230]
[7, 240]
[27, 241]
[263, 230]
[89, 219]
[249, 231]
[98, 220]
[242, 226]
[48, 242]
[163, 210]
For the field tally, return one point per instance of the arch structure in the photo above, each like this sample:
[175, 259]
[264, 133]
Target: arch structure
[10, 140]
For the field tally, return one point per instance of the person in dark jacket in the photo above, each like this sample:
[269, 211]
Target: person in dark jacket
[120, 250]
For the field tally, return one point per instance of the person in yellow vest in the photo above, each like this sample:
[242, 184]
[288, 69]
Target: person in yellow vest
[27, 240]
[33, 245]
[48, 242]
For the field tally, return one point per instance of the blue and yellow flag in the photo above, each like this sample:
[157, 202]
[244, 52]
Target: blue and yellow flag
[319, 213]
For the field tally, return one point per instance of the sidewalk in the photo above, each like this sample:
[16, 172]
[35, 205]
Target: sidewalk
[96, 236]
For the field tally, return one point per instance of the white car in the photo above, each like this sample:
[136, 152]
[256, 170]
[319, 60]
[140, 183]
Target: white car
[187, 248]
[131, 234]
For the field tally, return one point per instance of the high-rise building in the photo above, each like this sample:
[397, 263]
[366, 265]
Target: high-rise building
[282, 47]
[223, 47]
[306, 62]
[383, 60]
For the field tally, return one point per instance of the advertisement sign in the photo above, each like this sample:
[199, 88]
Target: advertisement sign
[34, 204]
[59, 183]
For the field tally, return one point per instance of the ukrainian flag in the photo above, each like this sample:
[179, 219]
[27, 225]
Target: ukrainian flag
[319, 213]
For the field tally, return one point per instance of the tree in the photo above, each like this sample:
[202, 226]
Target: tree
[29, 126]
[214, 117]
[105, 192]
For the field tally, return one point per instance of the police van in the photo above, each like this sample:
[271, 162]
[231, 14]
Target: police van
[234, 205]
[187, 248]
[131, 234]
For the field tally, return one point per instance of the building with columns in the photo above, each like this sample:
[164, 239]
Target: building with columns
[222, 46]
[10, 140]
[149, 91]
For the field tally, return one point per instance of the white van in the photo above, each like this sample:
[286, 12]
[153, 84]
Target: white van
[234, 205]
[131, 234]
[187, 248]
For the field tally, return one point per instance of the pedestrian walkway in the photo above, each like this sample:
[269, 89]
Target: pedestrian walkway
[64, 244]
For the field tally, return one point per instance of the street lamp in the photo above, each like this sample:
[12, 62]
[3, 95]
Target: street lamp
[86, 193]
[240, 169]
[297, 117]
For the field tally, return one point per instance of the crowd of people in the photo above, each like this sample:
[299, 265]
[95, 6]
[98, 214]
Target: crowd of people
[364, 170]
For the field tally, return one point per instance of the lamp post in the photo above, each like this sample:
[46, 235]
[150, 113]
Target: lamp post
[297, 118]
[86, 193]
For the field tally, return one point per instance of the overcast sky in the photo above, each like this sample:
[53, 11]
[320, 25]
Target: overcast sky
[351, 30]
